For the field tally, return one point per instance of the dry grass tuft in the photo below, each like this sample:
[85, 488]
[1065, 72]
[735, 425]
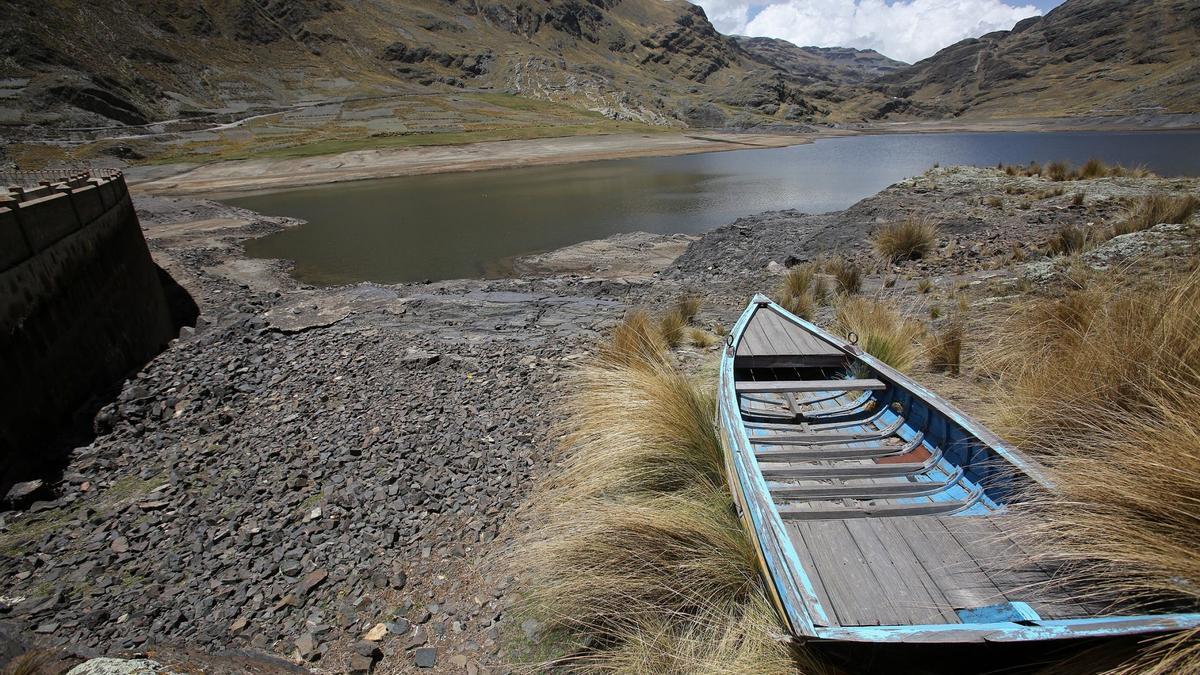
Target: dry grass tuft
[847, 275]
[800, 289]
[995, 201]
[924, 286]
[1062, 171]
[1078, 198]
[1156, 209]
[945, 347]
[911, 239]
[1058, 171]
[1103, 385]
[881, 332]
[636, 342]
[672, 326]
[1068, 240]
[1099, 347]
[638, 562]
[699, 337]
[687, 307]
[32, 662]
[802, 306]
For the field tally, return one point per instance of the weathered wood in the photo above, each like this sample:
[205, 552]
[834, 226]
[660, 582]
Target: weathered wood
[874, 510]
[960, 578]
[905, 589]
[866, 490]
[857, 597]
[800, 386]
[828, 438]
[850, 470]
[862, 452]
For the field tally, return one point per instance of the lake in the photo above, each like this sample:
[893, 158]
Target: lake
[449, 226]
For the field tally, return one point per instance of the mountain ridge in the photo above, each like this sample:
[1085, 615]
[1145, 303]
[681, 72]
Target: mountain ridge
[68, 70]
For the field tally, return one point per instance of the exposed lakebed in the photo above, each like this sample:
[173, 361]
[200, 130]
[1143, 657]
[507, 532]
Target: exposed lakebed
[470, 224]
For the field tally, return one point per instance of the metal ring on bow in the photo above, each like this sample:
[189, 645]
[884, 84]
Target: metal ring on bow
[852, 337]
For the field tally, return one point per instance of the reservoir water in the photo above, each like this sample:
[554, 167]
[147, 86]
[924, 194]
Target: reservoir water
[458, 225]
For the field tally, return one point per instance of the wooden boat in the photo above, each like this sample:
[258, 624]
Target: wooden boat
[878, 508]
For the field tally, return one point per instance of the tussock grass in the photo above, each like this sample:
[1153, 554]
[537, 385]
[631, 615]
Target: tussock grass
[1155, 209]
[1069, 239]
[847, 275]
[32, 662]
[1062, 171]
[687, 307]
[1058, 171]
[910, 239]
[945, 347]
[637, 561]
[1103, 384]
[924, 286]
[699, 337]
[802, 306]
[995, 201]
[636, 342]
[882, 333]
[1100, 346]
[801, 290]
[1078, 198]
[673, 324]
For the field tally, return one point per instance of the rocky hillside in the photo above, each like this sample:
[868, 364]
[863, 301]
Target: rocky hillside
[67, 66]
[106, 62]
[1089, 57]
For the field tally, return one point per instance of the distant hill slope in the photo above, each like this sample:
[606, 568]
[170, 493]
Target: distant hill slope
[1086, 57]
[811, 65]
[105, 62]
[67, 65]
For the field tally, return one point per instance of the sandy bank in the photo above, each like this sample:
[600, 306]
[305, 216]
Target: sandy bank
[274, 174]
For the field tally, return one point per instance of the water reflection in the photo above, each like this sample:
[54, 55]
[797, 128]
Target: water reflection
[462, 225]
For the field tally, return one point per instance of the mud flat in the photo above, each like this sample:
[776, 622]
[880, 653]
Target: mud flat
[273, 174]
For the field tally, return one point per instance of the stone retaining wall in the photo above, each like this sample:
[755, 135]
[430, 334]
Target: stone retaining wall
[81, 306]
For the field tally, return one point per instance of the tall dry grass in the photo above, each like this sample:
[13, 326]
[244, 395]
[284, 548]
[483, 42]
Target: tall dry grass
[1104, 385]
[1097, 346]
[847, 275]
[881, 332]
[1069, 239]
[945, 347]
[637, 342]
[1155, 209]
[910, 239]
[1062, 171]
[637, 560]
[801, 290]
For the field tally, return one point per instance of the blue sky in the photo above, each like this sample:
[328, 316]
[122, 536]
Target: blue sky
[908, 30]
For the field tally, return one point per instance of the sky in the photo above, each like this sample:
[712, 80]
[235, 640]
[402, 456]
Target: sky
[908, 30]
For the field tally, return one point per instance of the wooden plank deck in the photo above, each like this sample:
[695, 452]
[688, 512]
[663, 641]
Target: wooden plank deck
[769, 334]
[920, 569]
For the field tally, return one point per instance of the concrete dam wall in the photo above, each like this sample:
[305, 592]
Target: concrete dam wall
[81, 306]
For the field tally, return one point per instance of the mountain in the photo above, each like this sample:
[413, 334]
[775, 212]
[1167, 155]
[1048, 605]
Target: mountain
[813, 65]
[332, 75]
[1086, 57]
[105, 62]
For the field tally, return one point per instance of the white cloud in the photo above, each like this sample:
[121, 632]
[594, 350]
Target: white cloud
[908, 30]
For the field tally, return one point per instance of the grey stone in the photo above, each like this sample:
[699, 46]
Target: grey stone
[425, 657]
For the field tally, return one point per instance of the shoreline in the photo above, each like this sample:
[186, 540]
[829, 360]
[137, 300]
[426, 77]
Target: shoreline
[274, 175]
[247, 176]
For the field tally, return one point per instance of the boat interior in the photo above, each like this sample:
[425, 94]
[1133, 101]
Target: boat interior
[892, 506]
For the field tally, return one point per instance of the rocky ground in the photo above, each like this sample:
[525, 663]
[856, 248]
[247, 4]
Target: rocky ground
[314, 478]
